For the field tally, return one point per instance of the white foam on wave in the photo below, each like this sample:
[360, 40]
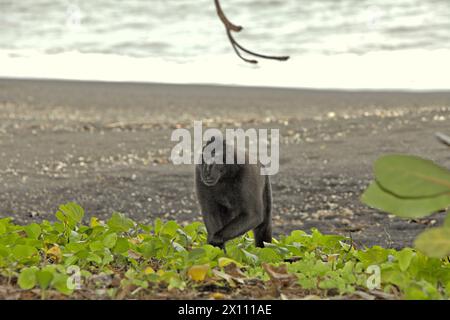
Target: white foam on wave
[405, 69]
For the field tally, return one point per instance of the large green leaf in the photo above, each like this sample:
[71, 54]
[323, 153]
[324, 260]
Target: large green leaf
[434, 242]
[110, 240]
[121, 246]
[33, 230]
[119, 222]
[44, 278]
[170, 228]
[378, 198]
[70, 213]
[269, 255]
[411, 176]
[27, 278]
[60, 283]
[22, 252]
[404, 258]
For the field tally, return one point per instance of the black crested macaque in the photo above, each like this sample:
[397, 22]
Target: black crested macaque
[234, 198]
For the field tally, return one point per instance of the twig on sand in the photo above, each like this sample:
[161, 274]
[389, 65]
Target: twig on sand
[229, 26]
[443, 138]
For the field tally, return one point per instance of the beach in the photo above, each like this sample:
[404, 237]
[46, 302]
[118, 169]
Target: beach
[106, 146]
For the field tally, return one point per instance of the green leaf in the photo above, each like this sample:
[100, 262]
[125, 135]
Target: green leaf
[297, 236]
[434, 242]
[94, 258]
[119, 222]
[411, 176]
[33, 230]
[194, 229]
[376, 197]
[404, 258]
[422, 290]
[21, 252]
[224, 261]
[60, 283]
[71, 212]
[196, 254]
[268, 255]
[396, 277]
[414, 292]
[96, 246]
[71, 260]
[375, 255]
[170, 228]
[110, 240]
[176, 283]
[250, 256]
[60, 216]
[107, 257]
[82, 254]
[178, 247]
[158, 225]
[27, 278]
[44, 278]
[121, 246]
[212, 252]
[75, 247]
[4, 250]
[149, 248]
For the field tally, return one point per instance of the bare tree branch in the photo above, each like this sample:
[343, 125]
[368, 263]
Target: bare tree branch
[229, 27]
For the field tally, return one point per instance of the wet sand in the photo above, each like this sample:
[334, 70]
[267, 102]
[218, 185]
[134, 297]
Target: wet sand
[106, 146]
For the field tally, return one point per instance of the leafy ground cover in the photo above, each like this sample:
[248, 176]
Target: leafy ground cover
[122, 259]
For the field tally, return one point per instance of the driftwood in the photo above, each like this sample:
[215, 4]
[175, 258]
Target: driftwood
[230, 27]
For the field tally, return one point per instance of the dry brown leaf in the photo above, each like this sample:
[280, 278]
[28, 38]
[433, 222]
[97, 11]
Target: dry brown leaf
[133, 254]
[233, 270]
[229, 278]
[280, 275]
[55, 253]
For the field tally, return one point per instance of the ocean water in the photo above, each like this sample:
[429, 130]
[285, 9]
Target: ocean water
[347, 44]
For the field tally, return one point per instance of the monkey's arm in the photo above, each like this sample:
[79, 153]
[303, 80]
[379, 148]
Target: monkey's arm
[215, 216]
[241, 224]
[211, 212]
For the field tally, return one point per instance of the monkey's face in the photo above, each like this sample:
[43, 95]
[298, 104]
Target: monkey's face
[211, 173]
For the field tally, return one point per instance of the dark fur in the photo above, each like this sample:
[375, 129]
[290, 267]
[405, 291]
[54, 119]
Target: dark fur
[239, 200]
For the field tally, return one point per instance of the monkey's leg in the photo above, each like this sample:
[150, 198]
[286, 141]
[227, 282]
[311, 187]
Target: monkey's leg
[238, 226]
[263, 233]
